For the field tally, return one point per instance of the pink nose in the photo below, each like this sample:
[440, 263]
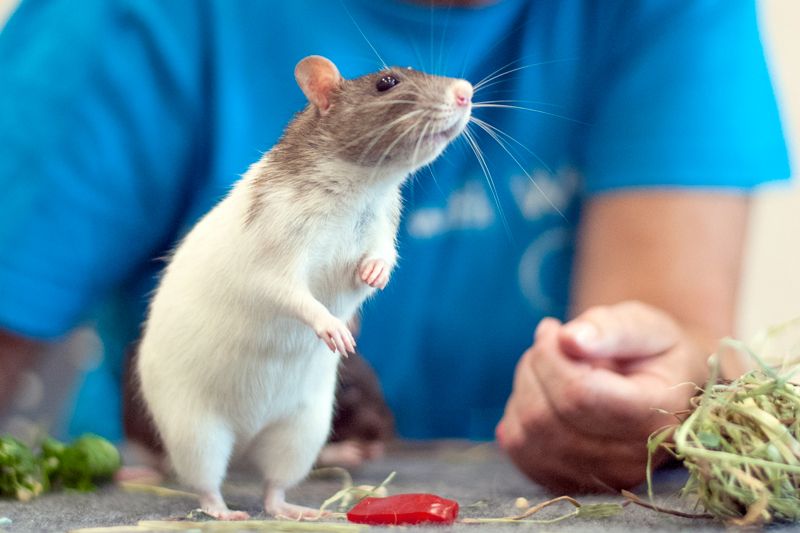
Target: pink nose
[462, 90]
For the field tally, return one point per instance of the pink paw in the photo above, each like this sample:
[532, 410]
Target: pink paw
[374, 272]
[336, 335]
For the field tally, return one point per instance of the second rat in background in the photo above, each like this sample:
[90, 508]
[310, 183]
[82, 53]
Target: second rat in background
[236, 353]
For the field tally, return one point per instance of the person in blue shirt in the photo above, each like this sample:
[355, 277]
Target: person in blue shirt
[612, 214]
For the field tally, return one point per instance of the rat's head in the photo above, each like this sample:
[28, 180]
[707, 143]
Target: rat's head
[397, 118]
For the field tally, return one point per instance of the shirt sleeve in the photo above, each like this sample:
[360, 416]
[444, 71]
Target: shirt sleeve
[98, 116]
[681, 97]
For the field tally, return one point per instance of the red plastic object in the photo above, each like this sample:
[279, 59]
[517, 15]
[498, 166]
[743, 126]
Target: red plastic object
[404, 509]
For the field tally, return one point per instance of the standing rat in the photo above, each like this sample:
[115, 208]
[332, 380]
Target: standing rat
[236, 352]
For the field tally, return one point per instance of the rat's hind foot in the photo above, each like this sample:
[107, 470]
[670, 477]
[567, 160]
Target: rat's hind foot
[374, 272]
[213, 505]
[276, 505]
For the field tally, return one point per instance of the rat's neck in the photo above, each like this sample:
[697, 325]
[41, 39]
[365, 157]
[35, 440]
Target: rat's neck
[326, 186]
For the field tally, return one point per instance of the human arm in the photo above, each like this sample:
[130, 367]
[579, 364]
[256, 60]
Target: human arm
[681, 125]
[656, 275]
[98, 123]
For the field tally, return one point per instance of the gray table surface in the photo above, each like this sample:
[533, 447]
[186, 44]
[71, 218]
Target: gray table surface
[477, 476]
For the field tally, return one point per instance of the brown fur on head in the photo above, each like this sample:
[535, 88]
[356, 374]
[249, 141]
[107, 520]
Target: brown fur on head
[397, 118]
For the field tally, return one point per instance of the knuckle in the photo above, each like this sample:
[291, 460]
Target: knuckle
[575, 400]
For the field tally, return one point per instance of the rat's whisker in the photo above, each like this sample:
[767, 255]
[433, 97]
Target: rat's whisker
[480, 122]
[379, 133]
[419, 141]
[536, 102]
[441, 60]
[383, 131]
[532, 110]
[394, 143]
[382, 62]
[415, 103]
[483, 83]
[473, 143]
[491, 131]
[389, 102]
[485, 79]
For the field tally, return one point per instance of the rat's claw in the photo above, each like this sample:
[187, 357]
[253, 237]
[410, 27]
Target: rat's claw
[367, 270]
[376, 273]
[330, 344]
[337, 336]
[381, 281]
[351, 344]
[339, 341]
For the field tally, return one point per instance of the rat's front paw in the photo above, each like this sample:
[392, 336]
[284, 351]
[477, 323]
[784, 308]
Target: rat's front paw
[374, 272]
[336, 335]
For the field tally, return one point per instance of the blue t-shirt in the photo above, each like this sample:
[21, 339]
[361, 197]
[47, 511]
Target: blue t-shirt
[123, 121]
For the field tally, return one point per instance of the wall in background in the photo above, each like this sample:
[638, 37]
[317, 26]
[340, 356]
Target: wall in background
[771, 279]
[771, 282]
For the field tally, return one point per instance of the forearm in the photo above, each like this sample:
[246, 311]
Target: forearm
[678, 251]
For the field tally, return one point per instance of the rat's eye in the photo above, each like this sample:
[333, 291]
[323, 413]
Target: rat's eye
[386, 83]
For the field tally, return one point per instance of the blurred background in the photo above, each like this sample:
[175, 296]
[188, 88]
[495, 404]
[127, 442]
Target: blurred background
[770, 290]
[771, 284]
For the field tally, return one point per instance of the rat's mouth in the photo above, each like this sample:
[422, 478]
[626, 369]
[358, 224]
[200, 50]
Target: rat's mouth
[447, 134]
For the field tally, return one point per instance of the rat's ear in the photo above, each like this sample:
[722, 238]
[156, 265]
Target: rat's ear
[317, 77]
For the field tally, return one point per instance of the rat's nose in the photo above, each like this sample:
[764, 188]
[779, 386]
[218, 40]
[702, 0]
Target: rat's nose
[462, 91]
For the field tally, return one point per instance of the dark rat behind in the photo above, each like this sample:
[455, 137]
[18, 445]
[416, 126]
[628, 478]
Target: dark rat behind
[236, 352]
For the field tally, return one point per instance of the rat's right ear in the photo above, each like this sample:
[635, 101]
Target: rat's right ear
[318, 77]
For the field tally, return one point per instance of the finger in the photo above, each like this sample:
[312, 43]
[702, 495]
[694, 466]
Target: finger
[562, 458]
[340, 343]
[335, 341]
[594, 400]
[376, 273]
[370, 272]
[384, 280]
[367, 271]
[329, 342]
[530, 418]
[546, 326]
[350, 342]
[624, 330]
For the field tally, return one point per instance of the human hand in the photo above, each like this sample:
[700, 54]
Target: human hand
[585, 396]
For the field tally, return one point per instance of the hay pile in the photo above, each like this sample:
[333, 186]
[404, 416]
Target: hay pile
[741, 443]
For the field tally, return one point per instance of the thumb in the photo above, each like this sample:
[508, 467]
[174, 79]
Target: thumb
[626, 330]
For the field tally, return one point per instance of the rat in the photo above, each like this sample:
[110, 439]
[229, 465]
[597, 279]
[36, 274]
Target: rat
[236, 353]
